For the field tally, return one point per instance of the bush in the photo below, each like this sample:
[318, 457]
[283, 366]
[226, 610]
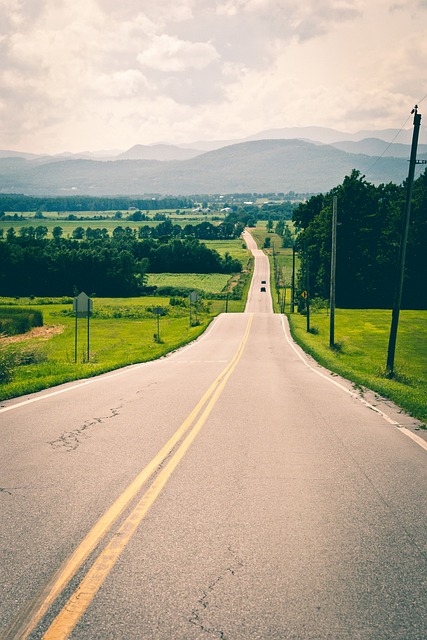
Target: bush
[15, 320]
[12, 357]
[29, 355]
[7, 365]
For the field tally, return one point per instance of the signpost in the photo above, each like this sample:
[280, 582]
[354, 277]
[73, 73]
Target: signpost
[333, 273]
[194, 296]
[158, 311]
[82, 307]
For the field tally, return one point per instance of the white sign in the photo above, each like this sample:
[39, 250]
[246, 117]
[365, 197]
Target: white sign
[82, 305]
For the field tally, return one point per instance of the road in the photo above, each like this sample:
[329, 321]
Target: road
[232, 490]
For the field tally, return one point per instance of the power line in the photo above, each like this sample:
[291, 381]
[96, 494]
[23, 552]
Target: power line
[390, 143]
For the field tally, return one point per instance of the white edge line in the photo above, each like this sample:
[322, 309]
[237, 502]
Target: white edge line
[422, 443]
[120, 372]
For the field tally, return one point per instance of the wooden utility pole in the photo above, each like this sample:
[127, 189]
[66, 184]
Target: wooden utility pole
[293, 280]
[307, 299]
[333, 270]
[402, 255]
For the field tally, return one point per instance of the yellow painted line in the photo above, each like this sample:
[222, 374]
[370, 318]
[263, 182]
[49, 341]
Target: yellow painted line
[28, 619]
[67, 619]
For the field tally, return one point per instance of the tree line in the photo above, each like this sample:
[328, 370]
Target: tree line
[165, 230]
[105, 266]
[20, 202]
[368, 239]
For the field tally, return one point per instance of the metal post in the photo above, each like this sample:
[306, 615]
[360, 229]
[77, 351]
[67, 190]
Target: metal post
[333, 270]
[293, 281]
[403, 241]
[75, 341]
[308, 292]
[88, 331]
[226, 303]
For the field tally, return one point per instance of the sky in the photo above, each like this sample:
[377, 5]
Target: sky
[79, 75]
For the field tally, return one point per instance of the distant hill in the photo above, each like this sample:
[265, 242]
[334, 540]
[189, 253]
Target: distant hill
[162, 152]
[17, 154]
[377, 147]
[321, 135]
[258, 166]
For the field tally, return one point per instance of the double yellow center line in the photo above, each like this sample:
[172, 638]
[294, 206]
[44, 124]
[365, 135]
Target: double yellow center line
[68, 617]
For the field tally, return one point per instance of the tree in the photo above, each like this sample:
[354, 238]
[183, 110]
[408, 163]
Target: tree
[78, 233]
[41, 232]
[280, 226]
[57, 232]
[369, 221]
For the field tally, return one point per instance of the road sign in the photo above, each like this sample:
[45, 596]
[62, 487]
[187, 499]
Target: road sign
[82, 305]
[304, 294]
[158, 311]
[194, 296]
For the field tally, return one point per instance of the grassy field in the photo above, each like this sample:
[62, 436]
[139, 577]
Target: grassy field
[362, 338]
[209, 282]
[236, 248]
[122, 332]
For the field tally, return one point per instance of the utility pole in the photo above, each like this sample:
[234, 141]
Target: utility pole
[307, 300]
[333, 270]
[403, 241]
[293, 280]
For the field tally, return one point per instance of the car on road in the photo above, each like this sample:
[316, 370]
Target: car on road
[263, 289]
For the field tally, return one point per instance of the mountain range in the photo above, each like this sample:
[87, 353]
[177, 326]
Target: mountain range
[277, 160]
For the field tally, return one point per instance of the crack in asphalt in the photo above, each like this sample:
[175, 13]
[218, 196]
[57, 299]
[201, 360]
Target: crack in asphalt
[199, 612]
[70, 440]
[8, 490]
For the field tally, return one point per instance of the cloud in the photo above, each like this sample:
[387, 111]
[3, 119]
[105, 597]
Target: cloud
[96, 73]
[304, 20]
[168, 53]
[122, 84]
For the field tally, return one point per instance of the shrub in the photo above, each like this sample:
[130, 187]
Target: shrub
[7, 364]
[15, 320]
[29, 355]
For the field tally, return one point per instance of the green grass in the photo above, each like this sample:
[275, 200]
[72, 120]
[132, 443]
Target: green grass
[236, 248]
[122, 332]
[361, 336]
[209, 282]
[114, 342]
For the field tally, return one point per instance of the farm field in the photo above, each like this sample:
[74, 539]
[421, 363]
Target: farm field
[362, 339]
[236, 248]
[209, 282]
[91, 219]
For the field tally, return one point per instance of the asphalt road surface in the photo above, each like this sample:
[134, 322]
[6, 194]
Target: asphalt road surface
[232, 490]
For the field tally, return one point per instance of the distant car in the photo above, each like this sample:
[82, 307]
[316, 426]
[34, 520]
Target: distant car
[263, 289]
[263, 282]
